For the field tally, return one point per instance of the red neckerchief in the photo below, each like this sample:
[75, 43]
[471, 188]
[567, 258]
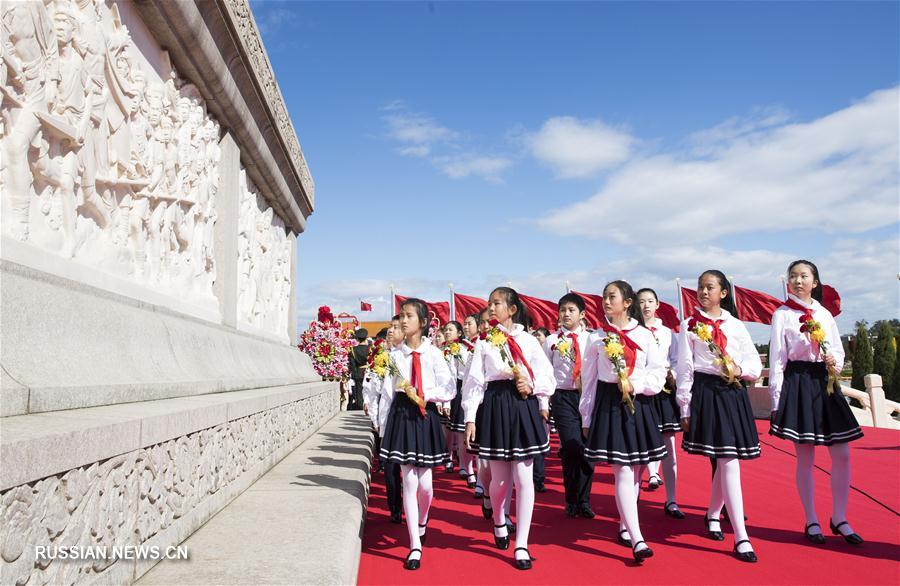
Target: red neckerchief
[416, 378]
[806, 312]
[631, 347]
[515, 351]
[576, 371]
[718, 336]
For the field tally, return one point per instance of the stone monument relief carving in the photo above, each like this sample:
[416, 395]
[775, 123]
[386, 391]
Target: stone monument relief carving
[264, 264]
[103, 160]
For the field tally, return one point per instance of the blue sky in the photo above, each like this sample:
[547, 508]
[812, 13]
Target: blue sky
[480, 143]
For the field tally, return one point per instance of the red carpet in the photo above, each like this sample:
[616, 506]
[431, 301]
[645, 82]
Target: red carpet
[577, 551]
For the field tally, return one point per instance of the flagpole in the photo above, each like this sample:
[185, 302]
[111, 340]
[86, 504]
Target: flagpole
[734, 297]
[391, 310]
[568, 289]
[784, 288]
[452, 303]
[680, 302]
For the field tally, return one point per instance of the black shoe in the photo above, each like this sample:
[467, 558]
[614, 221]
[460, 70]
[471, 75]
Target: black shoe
[586, 512]
[501, 542]
[526, 563]
[539, 487]
[672, 510]
[486, 512]
[448, 467]
[747, 556]
[714, 535]
[851, 538]
[816, 538]
[641, 555]
[396, 518]
[654, 482]
[510, 526]
[622, 540]
[571, 510]
[425, 534]
[470, 481]
[413, 564]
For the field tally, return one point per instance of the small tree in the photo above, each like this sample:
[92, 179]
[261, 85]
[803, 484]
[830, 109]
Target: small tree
[862, 357]
[885, 355]
[894, 394]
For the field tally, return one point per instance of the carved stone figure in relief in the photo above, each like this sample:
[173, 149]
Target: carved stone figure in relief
[103, 158]
[264, 254]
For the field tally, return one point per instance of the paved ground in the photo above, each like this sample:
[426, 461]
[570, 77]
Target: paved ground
[300, 523]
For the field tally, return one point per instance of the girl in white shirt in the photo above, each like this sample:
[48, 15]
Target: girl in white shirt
[809, 407]
[412, 434]
[665, 405]
[458, 351]
[715, 353]
[510, 376]
[623, 369]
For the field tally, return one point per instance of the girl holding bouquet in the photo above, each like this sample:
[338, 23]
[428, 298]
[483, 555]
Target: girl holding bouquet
[418, 378]
[457, 352]
[805, 359]
[510, 376]
[623, 368]
[715, 354]
[666, 407]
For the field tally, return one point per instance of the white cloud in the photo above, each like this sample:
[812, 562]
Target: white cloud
[488, 167]
[837, 173]
[576, 148]
[417, 132]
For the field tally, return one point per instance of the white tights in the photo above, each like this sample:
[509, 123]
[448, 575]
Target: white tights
[726, 491]
[417, 496]
[466, 460]
[628, 486]
[503, 476]
[484, 481]
[840, 483]
[669, 467]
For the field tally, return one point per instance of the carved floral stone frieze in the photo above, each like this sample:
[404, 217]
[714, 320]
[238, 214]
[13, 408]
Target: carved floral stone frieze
[128, 499]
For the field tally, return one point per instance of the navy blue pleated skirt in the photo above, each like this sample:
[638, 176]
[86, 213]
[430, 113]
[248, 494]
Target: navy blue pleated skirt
[410, 438]
[722, 424]
[807, 414]
[508, 427]
[618, 436]
[668, 415]
[457, 420]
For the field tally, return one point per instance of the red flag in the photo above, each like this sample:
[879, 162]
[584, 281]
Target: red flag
[755, 306]
[467, 305]
[593, 308]
[543, 313]
[440, 310]
[364, 306]
[831, 300]
[689, 302]
[669, 316]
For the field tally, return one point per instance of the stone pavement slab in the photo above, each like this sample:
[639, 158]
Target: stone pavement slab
[301, 523]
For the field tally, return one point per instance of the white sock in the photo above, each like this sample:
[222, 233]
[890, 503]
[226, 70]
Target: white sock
[501, 478]
[626, 500]
[806, 457]
[524, 480]
[670, 467]
[426, 495]
[716, 500]
[730, 469]
[840, 484]
[410, 479]
[652, 469]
